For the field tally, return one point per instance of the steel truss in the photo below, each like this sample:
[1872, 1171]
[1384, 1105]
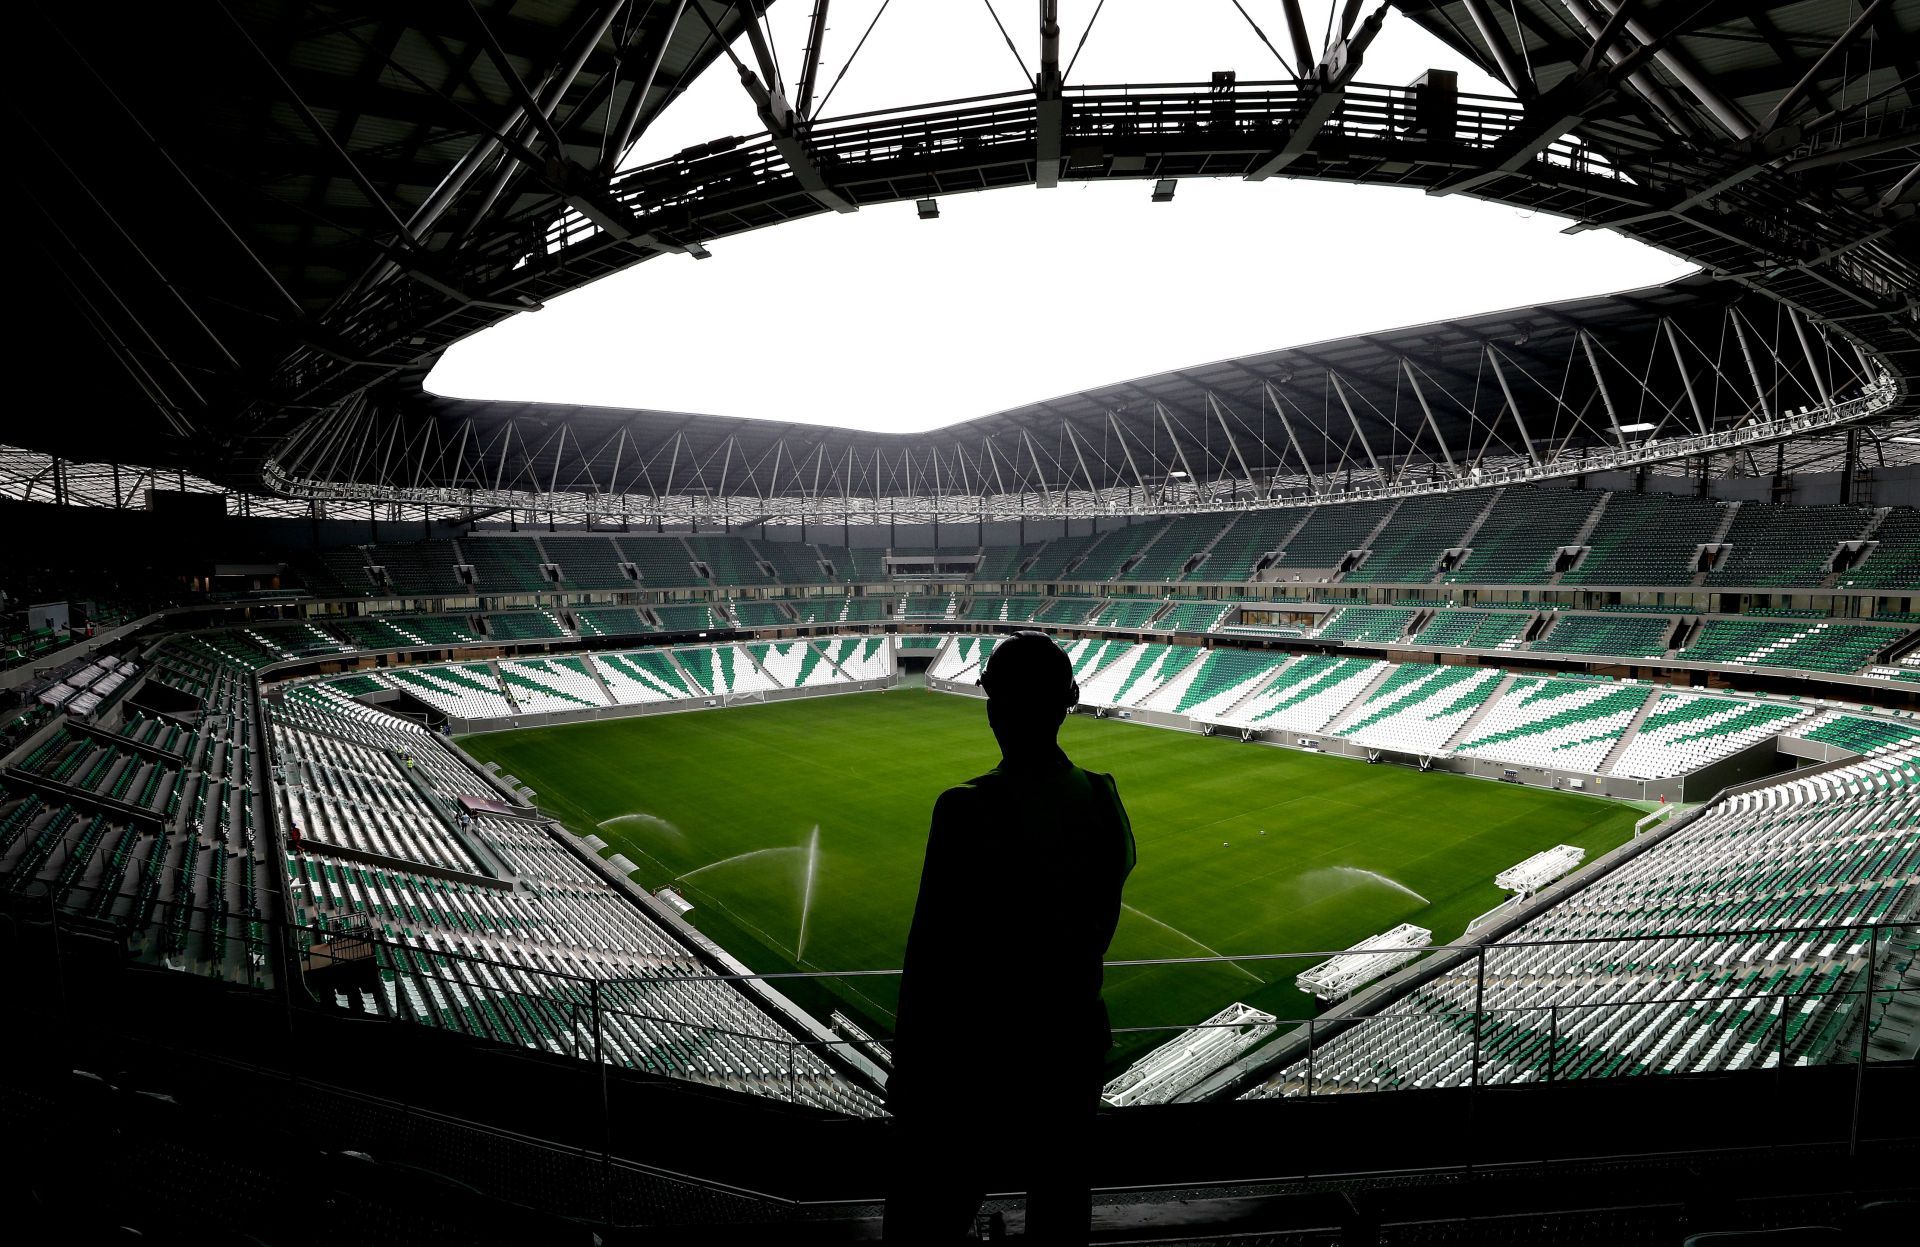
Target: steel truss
[1433, 408]
[1770, 143]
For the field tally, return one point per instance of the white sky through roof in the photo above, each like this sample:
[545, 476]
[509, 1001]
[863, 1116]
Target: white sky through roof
[880, 320]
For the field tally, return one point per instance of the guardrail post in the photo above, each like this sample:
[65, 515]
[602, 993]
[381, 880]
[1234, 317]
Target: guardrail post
[1310, 1026]
[1553, 1039]
[1866, 1026]
[1479, 1002]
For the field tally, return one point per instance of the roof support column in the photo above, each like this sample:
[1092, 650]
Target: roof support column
[1686, 378]
[1358, 432]
[1039, 473]
[1127, 451]
[1813, 362]
[1079, 458]
[1166, 422]
[1433, 426]
[1753, 370]
[1219, 413]
[1293, 439]
[1519, 422]
[1600, 383]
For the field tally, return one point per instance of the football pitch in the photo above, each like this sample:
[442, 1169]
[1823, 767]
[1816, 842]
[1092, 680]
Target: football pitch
[796, 830]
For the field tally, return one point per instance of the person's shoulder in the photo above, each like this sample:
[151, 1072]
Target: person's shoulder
[967, 790]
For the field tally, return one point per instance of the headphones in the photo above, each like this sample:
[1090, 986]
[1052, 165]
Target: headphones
[1073, 686]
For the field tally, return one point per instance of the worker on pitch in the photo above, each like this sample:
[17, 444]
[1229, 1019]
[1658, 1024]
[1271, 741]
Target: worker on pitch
[1002, 1035]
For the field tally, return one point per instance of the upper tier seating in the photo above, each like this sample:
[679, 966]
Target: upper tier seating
[1365, 623]
[1686, 732]
[1835, 647]
[1408, 550]
[505, 564]
[1516, 543]
[1895, 562]
[794, 562]
[731, 559]
[524, 626]
[586, 562]
[611, 621]
[1556, 723]
[1106, 559]
[1629, 636]
[1786, 545]
[1328, 534]
[1254, 535]
[336, 573]
[421, 567]
[1166, 558]
[1652, 969]
[1474, 629]
[1003, 562]
[1647, 539]
[664, 562]
[1059, 555]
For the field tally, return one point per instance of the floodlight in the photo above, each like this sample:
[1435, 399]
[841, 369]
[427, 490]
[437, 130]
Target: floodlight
[1163, 191]
[929, 209]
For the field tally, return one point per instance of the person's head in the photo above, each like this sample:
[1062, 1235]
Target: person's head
[1030, 688]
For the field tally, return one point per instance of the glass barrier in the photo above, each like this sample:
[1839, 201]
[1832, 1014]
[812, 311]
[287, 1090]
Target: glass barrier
[1185, 1029]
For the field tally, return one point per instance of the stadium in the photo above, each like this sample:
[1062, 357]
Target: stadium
[427, 817]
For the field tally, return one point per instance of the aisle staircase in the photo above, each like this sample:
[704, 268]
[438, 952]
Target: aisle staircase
[1493, 697]
[1631, 730]
[1473, 529]
[1366, 545]
[1359, 699]
[1584, 537]
[1719, 535]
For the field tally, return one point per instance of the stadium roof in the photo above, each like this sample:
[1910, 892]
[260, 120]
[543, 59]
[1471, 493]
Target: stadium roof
[306, 204]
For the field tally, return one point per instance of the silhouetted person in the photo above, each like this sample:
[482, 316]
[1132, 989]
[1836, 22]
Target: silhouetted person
[1002, 1034]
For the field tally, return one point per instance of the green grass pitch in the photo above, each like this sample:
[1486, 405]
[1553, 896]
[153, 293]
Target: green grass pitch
[796, 829]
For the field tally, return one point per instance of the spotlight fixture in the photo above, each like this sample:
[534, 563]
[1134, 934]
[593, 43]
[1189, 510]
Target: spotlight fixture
[1642, 427]
[929, 209]
[1163, 191]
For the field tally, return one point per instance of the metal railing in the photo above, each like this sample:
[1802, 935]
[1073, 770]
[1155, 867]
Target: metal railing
[1456, 1000]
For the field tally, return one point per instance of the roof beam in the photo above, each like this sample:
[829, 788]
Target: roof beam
[1050, 108]
[1433, 426]
[1329, 87]
[1358, 432]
